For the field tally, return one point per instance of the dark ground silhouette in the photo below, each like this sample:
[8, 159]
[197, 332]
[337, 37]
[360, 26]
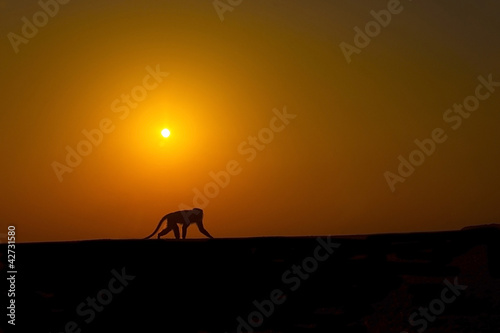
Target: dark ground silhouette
[353, 284]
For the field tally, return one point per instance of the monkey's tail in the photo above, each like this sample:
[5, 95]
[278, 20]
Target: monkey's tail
[158, 227]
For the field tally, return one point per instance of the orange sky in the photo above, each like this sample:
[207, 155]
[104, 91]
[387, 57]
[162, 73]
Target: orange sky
[308, 131]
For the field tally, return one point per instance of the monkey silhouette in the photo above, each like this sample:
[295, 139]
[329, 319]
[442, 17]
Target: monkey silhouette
[184, 217]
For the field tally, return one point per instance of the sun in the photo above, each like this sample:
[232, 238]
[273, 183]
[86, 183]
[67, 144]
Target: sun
[165, 133]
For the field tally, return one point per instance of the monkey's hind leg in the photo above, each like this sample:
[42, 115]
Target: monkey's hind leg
[176, 231]
[184, 231]
[164, 232]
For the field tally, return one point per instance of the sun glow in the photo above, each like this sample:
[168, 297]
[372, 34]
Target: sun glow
[165, 133]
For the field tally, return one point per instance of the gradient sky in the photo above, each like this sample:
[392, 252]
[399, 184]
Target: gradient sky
[323, 173]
